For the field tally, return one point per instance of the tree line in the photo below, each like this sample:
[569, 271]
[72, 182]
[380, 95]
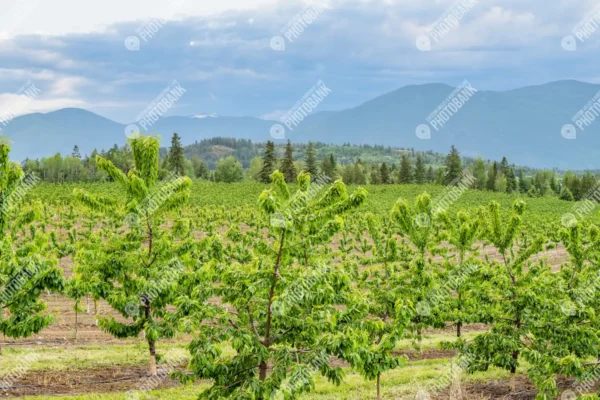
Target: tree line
[236, 160]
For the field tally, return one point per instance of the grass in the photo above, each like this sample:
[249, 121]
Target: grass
[432, 375]
[85, 356]
[79, 357]
[401, 382]
[432, 341]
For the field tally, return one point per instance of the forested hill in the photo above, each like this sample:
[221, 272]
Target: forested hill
[212, 150]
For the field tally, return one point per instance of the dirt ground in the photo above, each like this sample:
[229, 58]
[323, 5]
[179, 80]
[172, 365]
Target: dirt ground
[86, 381]
[525, 390]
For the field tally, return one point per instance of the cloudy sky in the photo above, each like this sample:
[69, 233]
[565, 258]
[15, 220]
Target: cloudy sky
[85, 53]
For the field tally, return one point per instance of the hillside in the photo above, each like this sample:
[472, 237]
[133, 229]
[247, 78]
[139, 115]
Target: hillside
[492, 124]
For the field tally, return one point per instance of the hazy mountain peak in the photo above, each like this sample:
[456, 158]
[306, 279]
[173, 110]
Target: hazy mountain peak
[523, 124]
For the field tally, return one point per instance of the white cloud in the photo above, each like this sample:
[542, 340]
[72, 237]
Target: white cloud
[68, 85]
[13, 74]
[244, 73]
[13, 104]
[274, 115]
[59, 17]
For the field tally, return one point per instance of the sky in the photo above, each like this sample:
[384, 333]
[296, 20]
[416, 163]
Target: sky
[259, 57]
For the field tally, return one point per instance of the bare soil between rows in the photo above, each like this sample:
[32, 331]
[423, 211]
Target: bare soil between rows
[524, 390]
[95, 380]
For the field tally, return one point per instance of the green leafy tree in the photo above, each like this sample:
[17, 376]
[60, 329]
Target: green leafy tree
[229, 170]
[134, 263]
[461, 265]
[360, 177]
[518, 294]
[253, 171]
[26, 266]
[565, 194]
[479, 174]
[501, 184]
[389, 315]
[418, 278]
[283, 319]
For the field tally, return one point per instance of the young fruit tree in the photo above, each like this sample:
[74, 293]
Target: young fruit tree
[135, 262]
[418, 278]
[388, 314]
[282, 315]
[517, 297]
[25, 270]
[456, 294]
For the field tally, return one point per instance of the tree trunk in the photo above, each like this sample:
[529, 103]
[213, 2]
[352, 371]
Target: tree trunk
[513, 381]
[151, 345]
[305, 257]
[379, 386]
[152, 348]
[267, 341]
[262, 371]
[76, 320]
[513, 371]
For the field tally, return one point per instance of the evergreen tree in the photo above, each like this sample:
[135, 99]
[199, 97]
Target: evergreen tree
[287, 165]
[329, 167]
[269, 161]
[479, 174]
[504, 166]
[511, 181]
[76, 153]
[509, 174]
[453, 166]
[523, 183]
[333, 162]
[588, 182]
[176, 157]
[375, 175]
[310, 158]
[405, 175]
[440, 175]
[430, 174]
[384, 173]
[492, 175]
[420, 174]
[200, 169]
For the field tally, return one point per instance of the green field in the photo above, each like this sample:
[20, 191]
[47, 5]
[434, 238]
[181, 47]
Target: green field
[252, 291]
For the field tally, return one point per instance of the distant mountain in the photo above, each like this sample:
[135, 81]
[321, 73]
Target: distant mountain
[523, 124]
